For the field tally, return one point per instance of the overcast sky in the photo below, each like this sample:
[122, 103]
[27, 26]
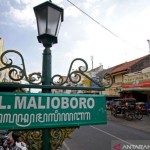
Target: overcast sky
[79, 36]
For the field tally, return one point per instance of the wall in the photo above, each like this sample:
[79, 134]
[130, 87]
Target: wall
[3, 74]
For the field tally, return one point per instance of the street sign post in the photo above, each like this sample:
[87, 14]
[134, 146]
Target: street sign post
[42, 110]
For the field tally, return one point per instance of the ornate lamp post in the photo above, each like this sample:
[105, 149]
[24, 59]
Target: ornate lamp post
[49, 18]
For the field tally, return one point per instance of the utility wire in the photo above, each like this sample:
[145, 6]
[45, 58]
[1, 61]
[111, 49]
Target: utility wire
[93, 19]
[103, 26]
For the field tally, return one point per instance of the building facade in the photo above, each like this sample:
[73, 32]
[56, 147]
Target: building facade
[4, 77]
[119, 73]
[3, 74]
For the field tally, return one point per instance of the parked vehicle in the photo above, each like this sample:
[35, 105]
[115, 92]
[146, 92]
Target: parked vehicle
[117, 107]
[127, 108]
[141, 106]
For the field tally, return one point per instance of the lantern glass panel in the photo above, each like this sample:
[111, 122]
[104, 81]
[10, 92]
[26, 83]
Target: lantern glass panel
[41, 19]
[54, 17]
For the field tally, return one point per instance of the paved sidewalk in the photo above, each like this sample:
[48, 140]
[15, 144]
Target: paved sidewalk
[143, 124]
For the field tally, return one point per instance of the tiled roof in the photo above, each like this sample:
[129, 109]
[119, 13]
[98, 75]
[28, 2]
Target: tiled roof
[126, 65]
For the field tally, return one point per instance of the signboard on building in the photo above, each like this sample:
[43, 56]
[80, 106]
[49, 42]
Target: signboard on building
[86, 83]
[42, 110]
[137, 79]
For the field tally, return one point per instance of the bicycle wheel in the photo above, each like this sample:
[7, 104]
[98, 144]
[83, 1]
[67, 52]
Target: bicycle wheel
[115, 113]
[130, 116]
[138, 115]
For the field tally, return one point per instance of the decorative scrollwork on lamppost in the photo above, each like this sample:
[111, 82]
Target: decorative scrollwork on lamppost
[107, 80]
[20, 71]
[35, 78]
[76, 76]
[72, 76]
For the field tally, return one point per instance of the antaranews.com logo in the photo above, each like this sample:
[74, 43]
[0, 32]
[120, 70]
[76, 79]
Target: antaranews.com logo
[130, 145]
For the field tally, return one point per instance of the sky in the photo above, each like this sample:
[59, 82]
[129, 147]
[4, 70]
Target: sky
[114, 32]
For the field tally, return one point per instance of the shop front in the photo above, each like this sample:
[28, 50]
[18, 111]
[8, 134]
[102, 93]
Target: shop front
[137, 85]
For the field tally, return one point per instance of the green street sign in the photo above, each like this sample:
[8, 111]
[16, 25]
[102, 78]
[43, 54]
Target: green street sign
[42, 110]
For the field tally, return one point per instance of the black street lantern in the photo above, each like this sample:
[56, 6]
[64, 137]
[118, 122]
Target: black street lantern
[49, 18]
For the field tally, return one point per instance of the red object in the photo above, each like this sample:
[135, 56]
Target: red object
[141, 84]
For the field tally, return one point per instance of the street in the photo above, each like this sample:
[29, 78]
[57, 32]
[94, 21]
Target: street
[100, 136]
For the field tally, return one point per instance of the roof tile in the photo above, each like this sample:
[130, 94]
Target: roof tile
[126, 65]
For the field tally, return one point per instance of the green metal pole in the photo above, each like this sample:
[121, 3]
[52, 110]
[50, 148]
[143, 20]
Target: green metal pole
[46, 74]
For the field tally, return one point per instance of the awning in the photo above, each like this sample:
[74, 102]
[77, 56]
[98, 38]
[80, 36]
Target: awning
[136, 89]
[140, 84]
